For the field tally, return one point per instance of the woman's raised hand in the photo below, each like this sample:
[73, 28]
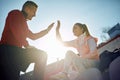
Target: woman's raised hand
[58, 25]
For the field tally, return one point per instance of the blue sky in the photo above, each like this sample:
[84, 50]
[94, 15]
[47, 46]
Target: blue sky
[96, 14]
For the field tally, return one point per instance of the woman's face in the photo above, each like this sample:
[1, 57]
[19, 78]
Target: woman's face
[77, 30]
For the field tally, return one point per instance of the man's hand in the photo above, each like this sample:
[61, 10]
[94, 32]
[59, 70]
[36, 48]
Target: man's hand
[50, 27]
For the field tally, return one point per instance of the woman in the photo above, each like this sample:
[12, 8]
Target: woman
[86, 46]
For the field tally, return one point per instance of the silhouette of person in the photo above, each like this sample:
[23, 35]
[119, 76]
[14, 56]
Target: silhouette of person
[15, 52]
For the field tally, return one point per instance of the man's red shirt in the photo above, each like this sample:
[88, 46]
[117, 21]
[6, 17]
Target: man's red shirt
[16, 30]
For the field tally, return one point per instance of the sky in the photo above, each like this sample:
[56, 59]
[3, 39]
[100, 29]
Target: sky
[96, 14]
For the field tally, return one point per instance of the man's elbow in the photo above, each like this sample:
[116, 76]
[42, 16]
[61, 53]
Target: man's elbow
[32, 37]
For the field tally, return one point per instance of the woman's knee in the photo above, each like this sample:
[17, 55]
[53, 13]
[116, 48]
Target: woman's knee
[69, 53]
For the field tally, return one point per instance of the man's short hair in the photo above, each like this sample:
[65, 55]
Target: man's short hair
[29, 4]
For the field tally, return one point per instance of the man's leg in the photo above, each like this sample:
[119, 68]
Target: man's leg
[8, 69]
[40, 66]
[38, 57]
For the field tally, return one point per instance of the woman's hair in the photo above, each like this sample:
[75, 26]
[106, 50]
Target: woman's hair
[84, 27]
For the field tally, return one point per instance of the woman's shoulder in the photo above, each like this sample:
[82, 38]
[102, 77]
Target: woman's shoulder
[92, 38]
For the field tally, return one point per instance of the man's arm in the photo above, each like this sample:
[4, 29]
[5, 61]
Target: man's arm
[40, 34]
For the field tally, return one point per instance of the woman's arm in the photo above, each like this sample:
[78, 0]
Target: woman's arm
[59, 38]
[58, 35]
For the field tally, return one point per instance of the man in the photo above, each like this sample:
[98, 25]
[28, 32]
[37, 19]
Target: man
[15, 52]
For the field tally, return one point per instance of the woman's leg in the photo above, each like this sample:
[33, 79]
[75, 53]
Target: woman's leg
[82, 64]
[70, 55]
[67, 64]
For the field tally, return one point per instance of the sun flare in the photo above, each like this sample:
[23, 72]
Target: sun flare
[56, 51]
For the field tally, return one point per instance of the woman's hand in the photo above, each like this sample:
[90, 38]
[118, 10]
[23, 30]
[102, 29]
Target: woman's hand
[58, 36]
[58, 26]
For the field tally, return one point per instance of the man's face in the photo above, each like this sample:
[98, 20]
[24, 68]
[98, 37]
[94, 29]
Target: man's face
[31, 12]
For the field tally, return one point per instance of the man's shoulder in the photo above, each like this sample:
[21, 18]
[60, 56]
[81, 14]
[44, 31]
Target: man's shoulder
[16, 11]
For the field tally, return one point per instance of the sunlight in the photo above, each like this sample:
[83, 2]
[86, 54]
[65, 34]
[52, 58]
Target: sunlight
[56, 51]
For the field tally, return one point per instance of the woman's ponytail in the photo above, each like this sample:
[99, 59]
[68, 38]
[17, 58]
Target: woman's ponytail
[85, 30]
